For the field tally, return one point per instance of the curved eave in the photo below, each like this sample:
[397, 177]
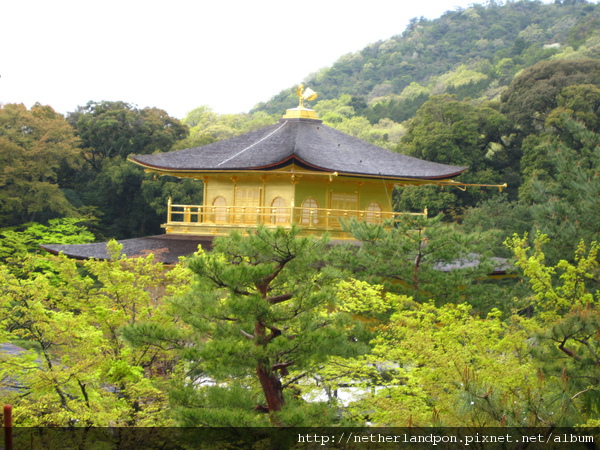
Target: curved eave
[290, 160]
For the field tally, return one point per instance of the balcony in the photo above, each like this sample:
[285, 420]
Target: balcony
[221, 220]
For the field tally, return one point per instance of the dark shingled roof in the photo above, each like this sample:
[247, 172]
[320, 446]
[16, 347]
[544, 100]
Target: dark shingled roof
[167, 248]
[308, 143]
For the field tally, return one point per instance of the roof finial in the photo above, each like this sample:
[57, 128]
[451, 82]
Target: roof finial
[305, 94]
[302, 112]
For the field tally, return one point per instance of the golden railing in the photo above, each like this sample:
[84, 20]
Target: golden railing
[240, 216]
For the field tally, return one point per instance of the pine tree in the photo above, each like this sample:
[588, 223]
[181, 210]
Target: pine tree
[423, 258]
[567, 203]
[263, 317]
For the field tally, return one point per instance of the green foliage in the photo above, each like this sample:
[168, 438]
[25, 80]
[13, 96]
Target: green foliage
[556, 296]
[34, 145]
[109, 129]
[336, 110]
[262, 320]
[582, 103]
[567, 199]
[58, 231]
[117, 191]
[206, 126]
[446, 367]
[449, 131]
[502, 215]
[397, 108]
[535, 92]
[422, 258]
[113, 189]
[583, 31]
[463, 82]
[263, 316]
[79, 372]
[472, 52]
[134, 203]
[565, 330]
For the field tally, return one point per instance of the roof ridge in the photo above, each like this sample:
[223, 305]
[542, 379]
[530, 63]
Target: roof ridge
[256, 143]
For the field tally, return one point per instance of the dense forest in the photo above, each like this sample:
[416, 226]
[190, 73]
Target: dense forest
[273, 329]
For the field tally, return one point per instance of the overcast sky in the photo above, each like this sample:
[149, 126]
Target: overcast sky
[181, 54]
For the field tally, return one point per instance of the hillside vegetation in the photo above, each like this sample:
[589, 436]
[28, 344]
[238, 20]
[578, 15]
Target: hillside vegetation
[472, 53]
[267, 329]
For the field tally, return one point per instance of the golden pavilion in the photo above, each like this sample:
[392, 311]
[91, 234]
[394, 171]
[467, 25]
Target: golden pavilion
[298, 171]
[295, 172]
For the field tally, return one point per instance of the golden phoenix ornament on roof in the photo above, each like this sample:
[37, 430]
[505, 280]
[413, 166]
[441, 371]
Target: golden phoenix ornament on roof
[305, 94]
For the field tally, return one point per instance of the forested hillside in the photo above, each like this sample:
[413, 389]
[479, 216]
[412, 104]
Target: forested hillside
[484, 87]
[471, 53]
[271, 329]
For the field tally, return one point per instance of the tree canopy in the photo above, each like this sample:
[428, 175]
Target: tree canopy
[110, 129]
[535, 92]
[35, 145]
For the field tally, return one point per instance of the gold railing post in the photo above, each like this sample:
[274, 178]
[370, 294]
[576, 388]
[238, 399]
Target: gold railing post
[169, 210]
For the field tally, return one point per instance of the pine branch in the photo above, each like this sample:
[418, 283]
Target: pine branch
[263, 285]
[567, 351]
[289, 351]
[585, 342]
[230, 319]
[274, 333]
[281, 366]
[279, 298]
[247, 335]
[582, 392]
[82, 386]
[293, 380]
[222, 284]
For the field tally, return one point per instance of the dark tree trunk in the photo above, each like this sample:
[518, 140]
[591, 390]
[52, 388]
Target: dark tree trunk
[269, 378]
[272, 388]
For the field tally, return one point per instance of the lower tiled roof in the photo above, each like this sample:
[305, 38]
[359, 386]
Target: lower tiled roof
[167, 248]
